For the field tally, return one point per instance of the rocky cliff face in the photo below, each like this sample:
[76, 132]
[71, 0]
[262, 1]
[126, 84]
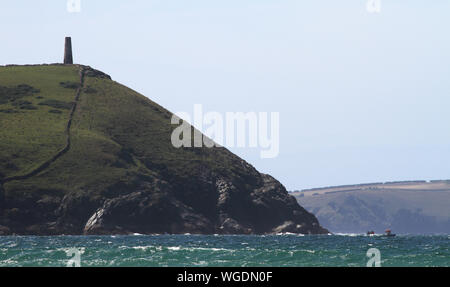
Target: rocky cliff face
[119, 173]
[266, 208]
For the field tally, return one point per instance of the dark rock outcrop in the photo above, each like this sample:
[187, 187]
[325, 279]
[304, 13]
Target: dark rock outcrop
[4, 230]
[265, 209]
[90, 72]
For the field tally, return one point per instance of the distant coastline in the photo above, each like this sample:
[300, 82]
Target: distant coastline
[408, 207]
[349, 187]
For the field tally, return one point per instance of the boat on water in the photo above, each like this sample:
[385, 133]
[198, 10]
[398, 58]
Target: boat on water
[388, 233]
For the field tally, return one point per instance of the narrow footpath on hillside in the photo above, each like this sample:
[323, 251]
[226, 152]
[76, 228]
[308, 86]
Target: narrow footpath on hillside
[65, 149]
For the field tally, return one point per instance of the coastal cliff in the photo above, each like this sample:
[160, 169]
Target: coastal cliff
[82, 154]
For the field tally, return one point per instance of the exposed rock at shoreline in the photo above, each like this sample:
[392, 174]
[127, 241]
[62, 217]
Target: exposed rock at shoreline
[267, 209]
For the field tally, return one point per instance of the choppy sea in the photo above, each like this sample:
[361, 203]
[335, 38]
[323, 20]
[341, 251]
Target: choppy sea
[218, 250]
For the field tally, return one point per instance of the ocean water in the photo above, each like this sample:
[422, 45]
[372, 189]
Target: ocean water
[201, 250]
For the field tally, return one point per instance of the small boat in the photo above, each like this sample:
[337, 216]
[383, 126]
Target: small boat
[370, 233]
[388, 233]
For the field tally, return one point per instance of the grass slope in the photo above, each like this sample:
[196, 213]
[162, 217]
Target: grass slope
[30, 136]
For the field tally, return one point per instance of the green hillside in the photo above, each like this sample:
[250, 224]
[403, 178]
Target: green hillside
[30, 130]
[109, 117]
[74, 143]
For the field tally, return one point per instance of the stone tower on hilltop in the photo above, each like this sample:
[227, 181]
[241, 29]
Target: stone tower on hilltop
[68, 59]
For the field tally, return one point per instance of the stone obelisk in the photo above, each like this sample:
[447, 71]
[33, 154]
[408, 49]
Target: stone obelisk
[68, 51]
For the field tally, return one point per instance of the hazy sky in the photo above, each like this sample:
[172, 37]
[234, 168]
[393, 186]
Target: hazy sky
[362, 97]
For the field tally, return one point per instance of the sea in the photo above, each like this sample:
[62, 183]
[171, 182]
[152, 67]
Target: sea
[352, 250]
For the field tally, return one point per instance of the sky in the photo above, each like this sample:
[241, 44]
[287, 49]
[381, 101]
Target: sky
[362, 97]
